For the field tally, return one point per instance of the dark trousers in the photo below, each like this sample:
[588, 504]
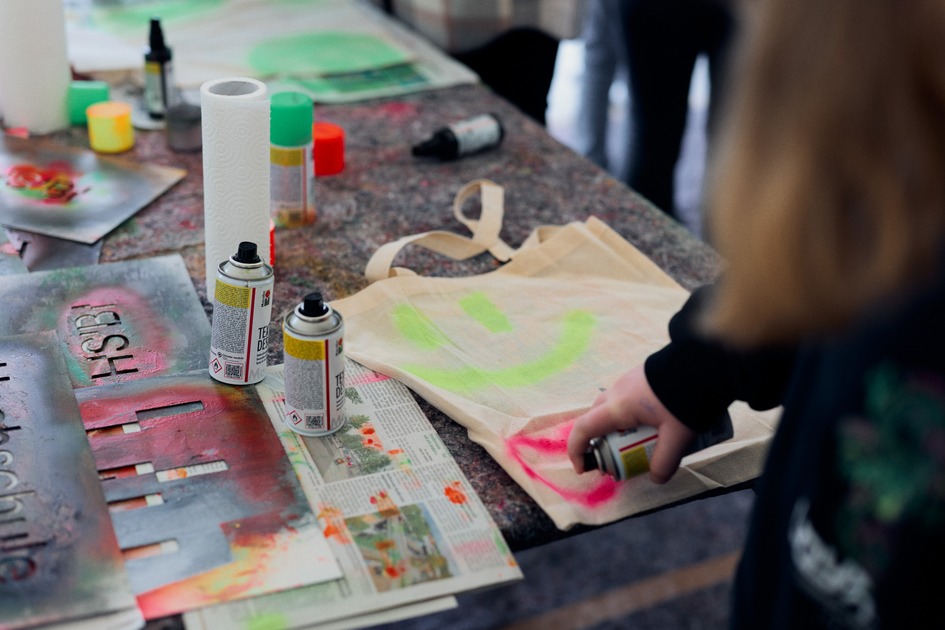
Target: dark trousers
[517, 65]
[664, 37]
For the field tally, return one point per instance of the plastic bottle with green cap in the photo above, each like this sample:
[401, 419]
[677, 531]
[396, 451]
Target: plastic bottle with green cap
[291, 173]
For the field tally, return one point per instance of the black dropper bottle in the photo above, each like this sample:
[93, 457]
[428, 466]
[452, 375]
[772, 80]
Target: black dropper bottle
[462, 138]
[157, 72]
[443, 145]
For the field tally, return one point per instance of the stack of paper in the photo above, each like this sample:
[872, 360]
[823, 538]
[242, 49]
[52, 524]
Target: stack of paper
[400, 516]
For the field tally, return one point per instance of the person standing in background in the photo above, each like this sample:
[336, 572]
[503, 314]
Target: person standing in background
[605, 58]
[510, 44]
[663, 38]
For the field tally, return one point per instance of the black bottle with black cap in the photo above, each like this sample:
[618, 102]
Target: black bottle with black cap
[158, 75]
[463, 138]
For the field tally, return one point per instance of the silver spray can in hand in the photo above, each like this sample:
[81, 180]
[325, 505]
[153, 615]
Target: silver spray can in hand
[242, 309]
[313, 338]
[626, 454]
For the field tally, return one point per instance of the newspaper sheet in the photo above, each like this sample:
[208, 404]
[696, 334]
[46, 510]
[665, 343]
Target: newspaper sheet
[336, 51]
[401, 518]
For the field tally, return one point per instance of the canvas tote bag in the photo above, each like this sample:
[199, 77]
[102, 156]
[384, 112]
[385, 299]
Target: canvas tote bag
[516, 354]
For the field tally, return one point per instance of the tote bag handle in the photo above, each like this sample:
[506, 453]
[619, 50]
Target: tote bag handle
[485, 234]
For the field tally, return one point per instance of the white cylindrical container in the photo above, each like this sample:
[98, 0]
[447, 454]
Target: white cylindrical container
[34, 67]
[235, 129]
[242, 310]
[313, 338]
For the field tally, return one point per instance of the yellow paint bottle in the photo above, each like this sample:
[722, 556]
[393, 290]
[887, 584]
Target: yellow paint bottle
[110, 128]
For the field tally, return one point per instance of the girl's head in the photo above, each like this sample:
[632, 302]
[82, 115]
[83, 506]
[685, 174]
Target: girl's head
[828, 194]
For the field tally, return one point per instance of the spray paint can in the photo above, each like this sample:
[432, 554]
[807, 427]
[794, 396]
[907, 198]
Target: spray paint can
[291, 172]
[626, 454]
[463, 138]
[242, 309]
[313, 338]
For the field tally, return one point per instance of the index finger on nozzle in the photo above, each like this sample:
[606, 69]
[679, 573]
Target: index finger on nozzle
[590, 425]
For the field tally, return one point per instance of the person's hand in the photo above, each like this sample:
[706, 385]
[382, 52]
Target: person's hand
[628, 404]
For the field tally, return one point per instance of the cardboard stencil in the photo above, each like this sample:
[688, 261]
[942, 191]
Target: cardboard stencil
[205, 502]
[59, 559]
[71, 193]
[116, 321]
[10, 262]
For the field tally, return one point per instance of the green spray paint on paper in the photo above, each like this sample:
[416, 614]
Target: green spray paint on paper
[268, 621]
[329, 52]
[576, 332]
[123, 20]
[391, 78]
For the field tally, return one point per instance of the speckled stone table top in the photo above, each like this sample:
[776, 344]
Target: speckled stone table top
[385, 193]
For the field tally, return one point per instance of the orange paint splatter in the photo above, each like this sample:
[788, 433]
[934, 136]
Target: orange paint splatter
[454, 495]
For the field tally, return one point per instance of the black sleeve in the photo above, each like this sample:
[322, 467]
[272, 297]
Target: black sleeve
[698, 378]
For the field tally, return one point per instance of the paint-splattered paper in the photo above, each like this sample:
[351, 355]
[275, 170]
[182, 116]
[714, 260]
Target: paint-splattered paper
[116, 321]
[334, 50]
[59, 559]
[73, 194]
[205, 502]
[400, 515]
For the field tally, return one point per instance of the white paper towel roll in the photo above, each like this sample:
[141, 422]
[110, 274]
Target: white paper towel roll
[34, 67]
[235, 124]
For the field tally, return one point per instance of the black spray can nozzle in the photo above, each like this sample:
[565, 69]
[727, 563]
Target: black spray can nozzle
[246, 253]
[313, 305]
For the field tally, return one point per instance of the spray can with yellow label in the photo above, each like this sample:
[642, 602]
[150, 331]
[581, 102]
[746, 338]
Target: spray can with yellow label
[313, 338]
[626, 454]
[242, 309]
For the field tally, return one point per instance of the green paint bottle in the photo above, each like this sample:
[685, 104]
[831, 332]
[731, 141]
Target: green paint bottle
[291, 172]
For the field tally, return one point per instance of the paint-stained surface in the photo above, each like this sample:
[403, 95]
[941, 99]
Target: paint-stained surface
[10, 262]
[116, 322]
[39, 252]
[59, 558]
[72, 193]
[232, 521]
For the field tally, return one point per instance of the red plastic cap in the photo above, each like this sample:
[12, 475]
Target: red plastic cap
[329, 150]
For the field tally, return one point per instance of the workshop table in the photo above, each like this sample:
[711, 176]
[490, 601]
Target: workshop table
[385, 193]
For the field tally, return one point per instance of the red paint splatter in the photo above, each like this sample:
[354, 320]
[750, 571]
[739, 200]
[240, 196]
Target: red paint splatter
[54, 185]
[392, 572]
[188, 224]
[140, 333]
[555, 447]
[398, 109]
[233, 426]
